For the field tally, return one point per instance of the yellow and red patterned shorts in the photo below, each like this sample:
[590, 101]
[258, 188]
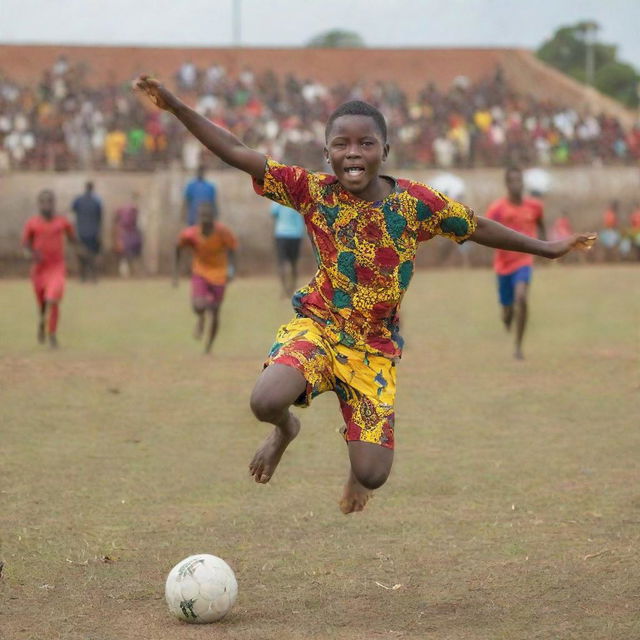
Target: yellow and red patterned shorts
[364, 383]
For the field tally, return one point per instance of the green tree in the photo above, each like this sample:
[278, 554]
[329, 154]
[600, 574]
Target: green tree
[335, 39]
[568, 51]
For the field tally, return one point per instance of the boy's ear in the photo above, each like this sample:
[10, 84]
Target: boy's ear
[326, 155]
[385, 151]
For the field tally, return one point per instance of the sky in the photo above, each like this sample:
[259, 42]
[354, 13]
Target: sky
[291, 23]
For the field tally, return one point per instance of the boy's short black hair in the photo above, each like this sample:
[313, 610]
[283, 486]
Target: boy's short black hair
[358, 108]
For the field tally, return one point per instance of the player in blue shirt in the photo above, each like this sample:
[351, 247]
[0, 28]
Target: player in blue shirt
[198, 190]
[288, 231]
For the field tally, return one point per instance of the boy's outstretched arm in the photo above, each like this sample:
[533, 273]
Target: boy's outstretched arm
[218, 140]
[495, 235]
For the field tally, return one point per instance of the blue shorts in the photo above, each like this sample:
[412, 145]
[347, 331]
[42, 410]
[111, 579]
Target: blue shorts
[507, 284]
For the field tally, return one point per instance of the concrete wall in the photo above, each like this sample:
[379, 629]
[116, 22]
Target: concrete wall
[584, 192]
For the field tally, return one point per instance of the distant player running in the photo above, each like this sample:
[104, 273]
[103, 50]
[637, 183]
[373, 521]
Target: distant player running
[43, 239]
[365, 229]
[288, 231]
[213, 246]
[513, 269]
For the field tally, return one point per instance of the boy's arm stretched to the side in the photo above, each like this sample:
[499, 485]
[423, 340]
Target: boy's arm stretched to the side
[218, 140]
[497, 236]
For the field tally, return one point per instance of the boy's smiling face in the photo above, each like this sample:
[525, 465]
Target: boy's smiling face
[355, 148]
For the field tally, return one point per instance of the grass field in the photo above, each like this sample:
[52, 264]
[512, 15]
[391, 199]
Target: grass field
[513, 511]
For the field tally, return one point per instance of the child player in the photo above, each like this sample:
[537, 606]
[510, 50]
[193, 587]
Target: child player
[513, 270]
[213, 246]
[365, 228]
[43, 239]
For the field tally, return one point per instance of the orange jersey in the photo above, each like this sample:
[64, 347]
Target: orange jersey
[46, 239]
[634, 219]
[209, 252]
[523, 218]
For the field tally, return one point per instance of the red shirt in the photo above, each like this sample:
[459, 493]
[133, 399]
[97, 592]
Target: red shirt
[46, 238]
[523, 218]
[635, 220]
[610, 219]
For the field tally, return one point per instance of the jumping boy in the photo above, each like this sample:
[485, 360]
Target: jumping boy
[43, 240]
[513, 269]
[365, 229]
[213, 246]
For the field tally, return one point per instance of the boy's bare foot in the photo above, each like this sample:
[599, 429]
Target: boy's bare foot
[355, 496]
[518, 355]
[268, 455]
[41, 333]
[53, 341]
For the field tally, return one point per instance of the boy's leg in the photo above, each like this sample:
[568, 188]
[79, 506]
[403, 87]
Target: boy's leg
[198, 309]
[213, 328]
[370, 467]
[53, 308]
[367, 406]
[507, 316]
[505, 294]
[520, 313]
[42, 308]
[277, 388]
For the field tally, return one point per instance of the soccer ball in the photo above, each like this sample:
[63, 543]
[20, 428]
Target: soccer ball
[201, 588]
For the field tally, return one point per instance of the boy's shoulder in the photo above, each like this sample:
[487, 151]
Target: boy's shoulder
[423, 192]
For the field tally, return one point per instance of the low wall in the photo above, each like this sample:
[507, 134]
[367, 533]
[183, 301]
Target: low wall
[583, 192]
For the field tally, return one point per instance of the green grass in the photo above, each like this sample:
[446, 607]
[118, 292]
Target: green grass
[513, 511]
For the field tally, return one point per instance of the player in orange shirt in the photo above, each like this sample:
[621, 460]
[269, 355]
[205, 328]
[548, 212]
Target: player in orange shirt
[43, 239]
[514, 269]
[213, 246]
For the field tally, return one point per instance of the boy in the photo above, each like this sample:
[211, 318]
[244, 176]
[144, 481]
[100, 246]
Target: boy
[288, 230]
[43, 240]
[365, 229]
[213, 247]
[513, 270]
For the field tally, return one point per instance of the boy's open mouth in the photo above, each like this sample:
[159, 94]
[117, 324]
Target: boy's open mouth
[354, 171]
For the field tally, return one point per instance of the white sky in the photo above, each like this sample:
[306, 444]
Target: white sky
[384, 23]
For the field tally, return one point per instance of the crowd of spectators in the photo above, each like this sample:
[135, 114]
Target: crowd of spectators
[65, 122]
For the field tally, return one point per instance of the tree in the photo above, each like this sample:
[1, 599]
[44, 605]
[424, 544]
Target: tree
[336, 39]
[573, 50]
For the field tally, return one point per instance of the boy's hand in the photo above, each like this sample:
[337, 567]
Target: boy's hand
[159, 95]
[577, 241]
[33, 255]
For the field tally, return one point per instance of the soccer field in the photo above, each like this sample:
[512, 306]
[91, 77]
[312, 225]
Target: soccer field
[512, 512]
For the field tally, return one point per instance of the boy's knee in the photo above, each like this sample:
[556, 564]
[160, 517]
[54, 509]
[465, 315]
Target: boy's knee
[371, 478]
[521, 298]
[265, 408]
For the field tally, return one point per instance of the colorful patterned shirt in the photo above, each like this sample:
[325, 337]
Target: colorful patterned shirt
[365, 250]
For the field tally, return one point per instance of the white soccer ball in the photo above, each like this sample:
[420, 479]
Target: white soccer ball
[201, 588]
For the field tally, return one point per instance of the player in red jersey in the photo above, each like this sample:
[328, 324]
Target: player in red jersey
[514, 269]
[43, 239]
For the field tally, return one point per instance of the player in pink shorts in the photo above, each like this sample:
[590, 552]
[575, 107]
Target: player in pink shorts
[43, 239]
[213, 246]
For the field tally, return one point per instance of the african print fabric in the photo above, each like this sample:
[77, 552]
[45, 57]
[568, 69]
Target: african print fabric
[364, 383]
[365, 251]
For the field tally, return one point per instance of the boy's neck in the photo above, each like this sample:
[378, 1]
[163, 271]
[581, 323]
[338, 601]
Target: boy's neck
[376, 190]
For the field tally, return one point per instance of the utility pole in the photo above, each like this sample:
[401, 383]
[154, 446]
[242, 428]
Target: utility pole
[589, 30]
[236, 20]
